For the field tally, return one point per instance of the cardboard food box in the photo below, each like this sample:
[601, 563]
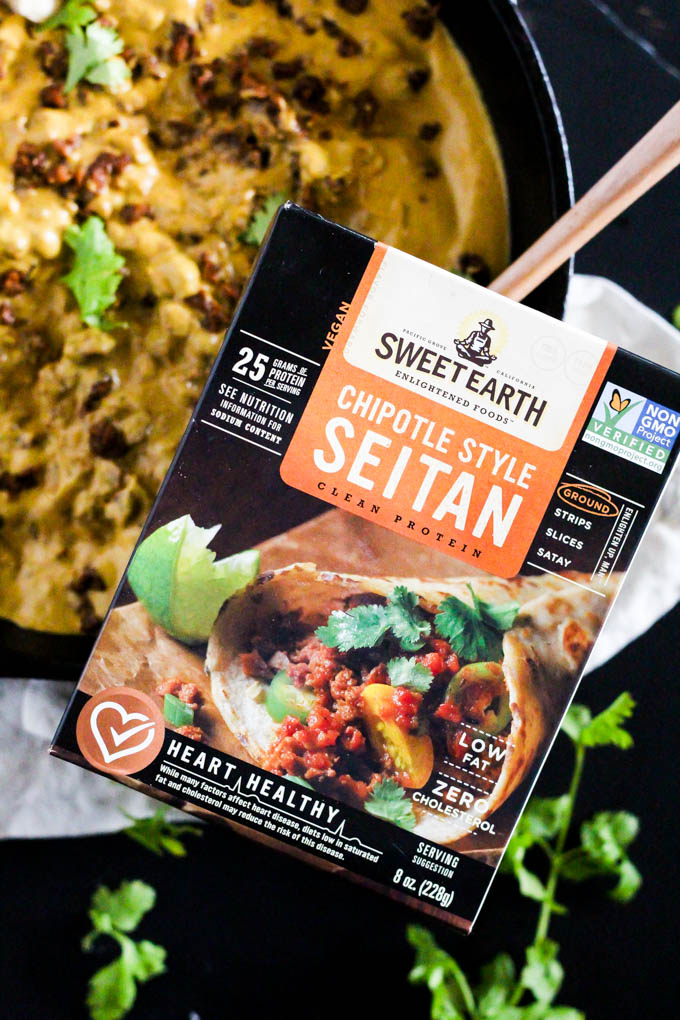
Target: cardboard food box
[372, 577]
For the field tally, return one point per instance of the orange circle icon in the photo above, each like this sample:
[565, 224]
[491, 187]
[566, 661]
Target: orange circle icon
[120, 730]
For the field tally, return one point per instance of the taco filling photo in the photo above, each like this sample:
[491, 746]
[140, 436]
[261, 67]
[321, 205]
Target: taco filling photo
[370, 689]
[359, 699]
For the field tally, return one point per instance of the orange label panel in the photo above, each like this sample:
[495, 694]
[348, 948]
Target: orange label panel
[434, 468]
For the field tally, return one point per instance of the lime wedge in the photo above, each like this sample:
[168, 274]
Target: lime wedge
[152, 572]
[179, 582]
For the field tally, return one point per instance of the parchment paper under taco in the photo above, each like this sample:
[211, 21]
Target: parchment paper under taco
[345, 543]
[134, 651]
[264, 628]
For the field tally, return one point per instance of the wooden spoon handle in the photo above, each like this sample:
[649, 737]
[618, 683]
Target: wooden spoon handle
[655, 155]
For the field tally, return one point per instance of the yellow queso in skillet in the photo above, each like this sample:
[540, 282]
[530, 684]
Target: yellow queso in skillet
[144, 147]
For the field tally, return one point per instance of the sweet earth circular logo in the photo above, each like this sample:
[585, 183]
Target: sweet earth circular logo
[120, 731]
[485, 338]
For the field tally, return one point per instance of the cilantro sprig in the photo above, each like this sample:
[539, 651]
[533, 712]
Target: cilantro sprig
[476, 631]
[604, 851]
[603, 840]
[359, 627]
[261, 218]
[409, 673]
[406, 620]
[505, 992]
[93, 48]
[117, 913]
[93, 56]
[606, 729]
[500, 987]
[159, 835]
[451, 993]
[388, 800]
[96, 271]
[72, 15]
[366, 626]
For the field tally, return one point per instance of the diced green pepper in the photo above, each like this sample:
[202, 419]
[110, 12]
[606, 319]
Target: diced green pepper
[488, 701]
[284, 698]
[177, 712]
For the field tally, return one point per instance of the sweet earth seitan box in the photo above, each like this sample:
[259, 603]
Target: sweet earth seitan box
[368, 587]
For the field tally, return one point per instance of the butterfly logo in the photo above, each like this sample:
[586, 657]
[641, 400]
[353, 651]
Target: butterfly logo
[617, 404]
[617, 407]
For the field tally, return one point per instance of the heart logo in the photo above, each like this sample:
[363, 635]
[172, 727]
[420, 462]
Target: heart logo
[120, 730]
[120, 737]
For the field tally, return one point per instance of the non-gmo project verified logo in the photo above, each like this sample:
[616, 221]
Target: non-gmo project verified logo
[633, 427]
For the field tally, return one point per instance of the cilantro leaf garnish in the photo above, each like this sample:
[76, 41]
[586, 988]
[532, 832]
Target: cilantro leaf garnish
[604, 729]
[72, 15]
[388, 800]
[543, 973]
[360, 627]
[122, 908]
[159, 835]
[409, 673]
[495, 986]
[476, 631]
[261, 218]
[93, 56]
[93, 48]
[501, 617]
[452, 997]
[365, 626]
[406, 619]
[96, 270]
[112, 989]
[541, 821]
[110, 73]
[542, 818]
[603, 851]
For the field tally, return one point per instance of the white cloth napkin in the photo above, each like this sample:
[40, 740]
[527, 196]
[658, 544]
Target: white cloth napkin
[652, 584]
[43, 796]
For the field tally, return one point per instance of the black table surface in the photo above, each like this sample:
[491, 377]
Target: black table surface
[254, 933]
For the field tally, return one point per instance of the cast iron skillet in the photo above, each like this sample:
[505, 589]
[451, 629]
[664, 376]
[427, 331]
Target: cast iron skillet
[520, 100]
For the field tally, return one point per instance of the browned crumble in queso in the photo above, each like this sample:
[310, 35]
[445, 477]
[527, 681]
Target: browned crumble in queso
[362, 111]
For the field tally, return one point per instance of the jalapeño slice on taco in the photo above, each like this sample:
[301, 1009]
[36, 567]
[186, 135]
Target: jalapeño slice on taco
[369, 689]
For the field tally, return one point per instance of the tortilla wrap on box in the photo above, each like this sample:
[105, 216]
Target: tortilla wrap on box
[542, 656]
[134, 650]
